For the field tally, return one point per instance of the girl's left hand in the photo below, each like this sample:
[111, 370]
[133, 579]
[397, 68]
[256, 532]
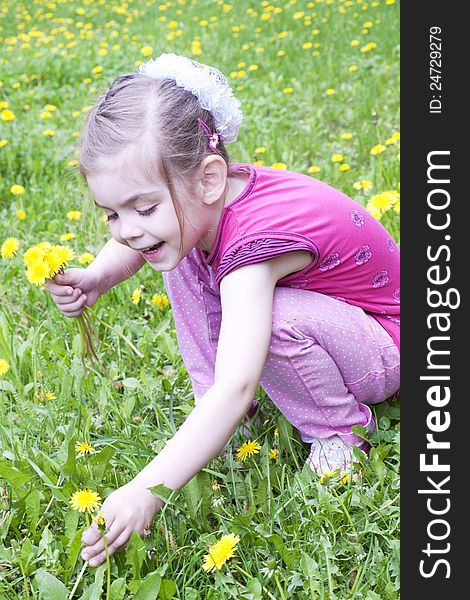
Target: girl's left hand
[129, 508]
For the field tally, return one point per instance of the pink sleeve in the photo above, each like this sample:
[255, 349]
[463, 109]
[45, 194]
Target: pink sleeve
[260, 249]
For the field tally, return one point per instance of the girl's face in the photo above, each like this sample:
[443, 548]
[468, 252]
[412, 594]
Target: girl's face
[143, 217]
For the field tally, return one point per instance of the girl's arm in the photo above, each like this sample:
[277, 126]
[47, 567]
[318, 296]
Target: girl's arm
[115, 263]
[247, 299]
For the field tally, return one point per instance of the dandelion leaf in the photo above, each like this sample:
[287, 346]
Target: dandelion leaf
[135, 554]
[167, 589]
[50, 588]
[117, 589]
[149, 588]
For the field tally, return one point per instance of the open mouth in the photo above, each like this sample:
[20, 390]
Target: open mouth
[152, 250]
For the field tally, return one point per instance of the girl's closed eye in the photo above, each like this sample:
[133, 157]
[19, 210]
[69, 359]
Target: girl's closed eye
[111, 217]
[147, 211]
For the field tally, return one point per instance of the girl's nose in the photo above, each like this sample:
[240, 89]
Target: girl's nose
[129, 229]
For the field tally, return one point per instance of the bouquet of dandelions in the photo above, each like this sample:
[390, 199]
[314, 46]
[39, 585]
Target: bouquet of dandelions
[44, 261]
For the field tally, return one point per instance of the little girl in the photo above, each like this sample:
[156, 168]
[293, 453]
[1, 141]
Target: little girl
[273, 277]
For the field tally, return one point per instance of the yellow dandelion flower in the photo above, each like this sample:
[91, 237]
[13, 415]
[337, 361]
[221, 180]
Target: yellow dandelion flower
[10, 247]
[337, 158]
[377, 149]
[355, 43]
[17, 190]
[287, 90]
[146, 51]
[344, 167]
[100, 521]
[220, 552]
[327, 475]
[57, 258]
[159, 301]
[4, 366]
[20, 214]
[45, 114]
[48, 132]
[346, 136]
[50, 107]
[73, 162]
[86, 258]
[330, 91]
[74, 215]
[260, 150]
[362, 184]
[43, 396]
[83, 448]
[396, 136]
[279, 165]
[33, 254]
[368, 47]
[65, 237]
[272, 454]
[247, 450]
[85, 500]
[38, 272]
[383, 201]
[352, 68]
[136, 295]
[313, 169]
[3, 143]
[7, 115]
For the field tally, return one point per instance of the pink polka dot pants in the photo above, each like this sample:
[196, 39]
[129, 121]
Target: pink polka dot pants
[327, 360]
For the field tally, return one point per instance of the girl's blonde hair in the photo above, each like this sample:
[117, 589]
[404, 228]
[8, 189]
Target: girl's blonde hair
[151, 125]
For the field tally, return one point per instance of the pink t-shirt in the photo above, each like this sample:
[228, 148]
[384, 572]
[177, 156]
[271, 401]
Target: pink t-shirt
[354, 258]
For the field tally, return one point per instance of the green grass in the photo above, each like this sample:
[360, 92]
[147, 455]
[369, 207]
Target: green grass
[299, 538]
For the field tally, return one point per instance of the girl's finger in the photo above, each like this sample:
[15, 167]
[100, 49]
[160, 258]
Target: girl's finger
[60, 300]
[117, 545]
[72, 307]
[92, 549]
[58, 290]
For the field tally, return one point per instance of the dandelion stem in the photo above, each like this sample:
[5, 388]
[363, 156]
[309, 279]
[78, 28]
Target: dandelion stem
[281, 591]
[267, 592]
[79, 578]
[108, 565]
[123, 337]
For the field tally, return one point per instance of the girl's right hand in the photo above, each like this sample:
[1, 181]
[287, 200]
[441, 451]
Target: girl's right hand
[73, 290]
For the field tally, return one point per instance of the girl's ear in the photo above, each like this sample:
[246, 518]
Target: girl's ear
[213, 179]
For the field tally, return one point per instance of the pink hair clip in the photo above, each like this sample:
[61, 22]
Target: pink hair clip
[213, 138]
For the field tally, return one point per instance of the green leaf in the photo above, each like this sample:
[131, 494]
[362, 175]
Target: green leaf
[73, 552]
[192, 495]
[135, 554]
[14, 477]
[55, 489]
[71, 524]
[167, 589]
[163, 493]
[149, 588]
[131, 383]
[50, 588]
[67, 456]
[253, 590]
[101, 460]
[191, 594]
[118, 589]
[33, 506]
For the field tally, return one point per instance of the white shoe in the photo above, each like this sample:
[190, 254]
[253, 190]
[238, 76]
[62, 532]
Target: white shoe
[332, 454]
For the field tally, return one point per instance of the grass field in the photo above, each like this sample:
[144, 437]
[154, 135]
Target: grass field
[319, 87]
